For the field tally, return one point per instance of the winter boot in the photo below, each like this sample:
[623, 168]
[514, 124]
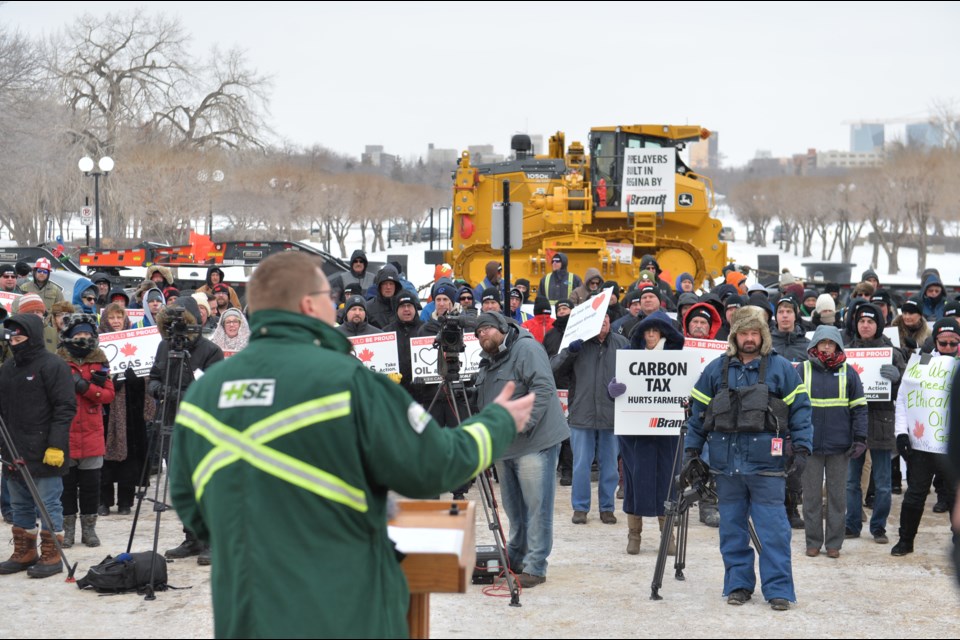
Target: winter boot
[909, 523]
[88, 532]
[69, 530]
[24, 551]
[634, 528]
[672, 544]
[709, 514]
[203, 558]
[189, 547]
[793, 514]
[49, 556]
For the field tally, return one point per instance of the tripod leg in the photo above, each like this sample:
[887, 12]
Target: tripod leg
[142, 485]
[680, 562]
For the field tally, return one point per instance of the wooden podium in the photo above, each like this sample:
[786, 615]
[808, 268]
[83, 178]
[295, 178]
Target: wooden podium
[445, 567]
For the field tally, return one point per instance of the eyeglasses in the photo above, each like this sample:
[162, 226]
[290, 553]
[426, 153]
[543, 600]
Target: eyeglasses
[948, 343]
[46, 271]
[466, 298]
[556, 260]
[358, 261]
[89, 298]
[231, 322]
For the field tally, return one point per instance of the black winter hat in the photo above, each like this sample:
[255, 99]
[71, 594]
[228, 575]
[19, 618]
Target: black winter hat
[541, 306]
[491, 293]
[831, 287]
[516, 293]
[354, 301]
[951, 308]
[698, 312]
[911, 305]
[7, 268]
[869, 273]
[946, 325]
[353, 289]
[652, 289]
[881, 296]
[406, 297]
[563, 302]
[791, 301]
[616, 288]
[735, 301]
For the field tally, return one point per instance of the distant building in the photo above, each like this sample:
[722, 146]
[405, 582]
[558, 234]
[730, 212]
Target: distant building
[442, 157]
[866, 137]
[483, 154]
[373, 156]
[924, 134]
[849, 159]
[706, 153]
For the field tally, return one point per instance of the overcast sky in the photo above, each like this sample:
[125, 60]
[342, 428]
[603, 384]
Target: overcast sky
[780, 77]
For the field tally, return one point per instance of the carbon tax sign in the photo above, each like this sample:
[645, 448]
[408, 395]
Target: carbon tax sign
[657, 384]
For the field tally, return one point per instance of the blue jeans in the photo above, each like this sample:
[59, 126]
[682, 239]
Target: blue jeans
[585, 444]
[24, 510]
[761, 499]
[5, 507]
[881, 473]
[528, 485]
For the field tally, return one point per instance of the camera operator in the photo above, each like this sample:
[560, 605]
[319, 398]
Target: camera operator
[448, 325]
[181, 330]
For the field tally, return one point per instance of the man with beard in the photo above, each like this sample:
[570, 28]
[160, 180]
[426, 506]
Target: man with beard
[733, 400]
[526, 470]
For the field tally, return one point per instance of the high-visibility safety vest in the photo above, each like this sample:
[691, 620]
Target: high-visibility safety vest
[232, 446]
[840, 400]
[546, 287]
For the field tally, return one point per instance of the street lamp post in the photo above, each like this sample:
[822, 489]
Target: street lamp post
[106, 166]
[217, 177]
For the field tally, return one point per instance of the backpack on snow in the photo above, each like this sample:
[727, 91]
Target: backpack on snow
[127, 572]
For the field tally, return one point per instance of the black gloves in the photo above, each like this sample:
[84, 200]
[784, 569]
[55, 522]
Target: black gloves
[575, 346]
[903, 445]
[689, 455]
[890, 372]
[79, 384]
[799, 462]
[99, 378]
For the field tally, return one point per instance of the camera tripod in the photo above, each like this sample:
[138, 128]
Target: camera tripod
[17, 463]
[453, 391]
[178, 360]
[693, 484]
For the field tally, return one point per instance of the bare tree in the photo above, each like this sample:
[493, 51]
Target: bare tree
[131, 70]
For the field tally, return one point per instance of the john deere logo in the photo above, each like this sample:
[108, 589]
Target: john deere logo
[685, 200]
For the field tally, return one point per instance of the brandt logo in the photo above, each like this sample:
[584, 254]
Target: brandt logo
[663, 423]
[685, 200]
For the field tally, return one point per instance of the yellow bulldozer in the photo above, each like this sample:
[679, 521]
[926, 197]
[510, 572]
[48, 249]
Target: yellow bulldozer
[629, 196]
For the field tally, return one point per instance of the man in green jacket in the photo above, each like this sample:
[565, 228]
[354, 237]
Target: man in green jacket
[282, 459]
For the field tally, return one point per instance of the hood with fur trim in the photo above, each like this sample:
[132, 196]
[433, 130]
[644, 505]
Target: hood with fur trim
[746, 319]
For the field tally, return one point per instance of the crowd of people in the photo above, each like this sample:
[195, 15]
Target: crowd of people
[832, 451]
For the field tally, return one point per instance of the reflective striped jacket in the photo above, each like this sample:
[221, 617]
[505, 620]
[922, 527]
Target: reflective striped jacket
[839, 407]
[282, 458]
[749, 453]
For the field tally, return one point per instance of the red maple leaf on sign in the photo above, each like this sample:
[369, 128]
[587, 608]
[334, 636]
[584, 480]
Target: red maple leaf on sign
[918, 430]
[128, 349]
[857, 368]
[366, 355]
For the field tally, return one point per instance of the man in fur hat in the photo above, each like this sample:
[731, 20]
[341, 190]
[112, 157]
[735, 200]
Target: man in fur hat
[747, 403]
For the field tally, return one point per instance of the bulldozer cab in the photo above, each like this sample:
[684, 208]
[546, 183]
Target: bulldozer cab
[607, 149]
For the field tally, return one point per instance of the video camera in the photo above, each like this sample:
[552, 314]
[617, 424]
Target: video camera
[5, 334]
[449, 342]
[178, 332]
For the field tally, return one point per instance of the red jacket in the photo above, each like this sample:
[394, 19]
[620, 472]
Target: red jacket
[539, 325]
[86, 431]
